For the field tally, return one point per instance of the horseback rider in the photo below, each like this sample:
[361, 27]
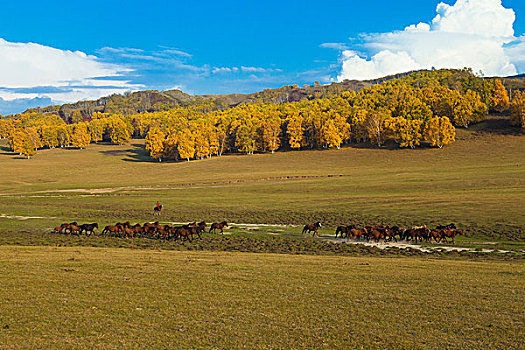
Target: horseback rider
[158, 204]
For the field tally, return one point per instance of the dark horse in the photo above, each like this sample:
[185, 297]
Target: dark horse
[446, 227]
[218, 226]
[344, 230]
[88, 228]
[312, 227]
[157, 210]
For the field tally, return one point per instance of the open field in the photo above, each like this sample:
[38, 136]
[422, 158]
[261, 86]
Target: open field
[79, 297]
[62, 291]
[477, 182]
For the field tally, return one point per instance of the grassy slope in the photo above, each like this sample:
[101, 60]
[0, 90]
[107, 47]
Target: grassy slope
[477, 182]
[114, 298]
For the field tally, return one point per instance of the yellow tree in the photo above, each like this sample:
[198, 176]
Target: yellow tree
[412, 135]
[245, 134]
[33, 133]
[49, 135]
[358, 127]
[500, 97]
[271, 130]
[393, 127]
[330, 136]
[221, 131]
[80, 136]
[119, 130]
[342, 126]
[186, 144]
[213, 139]
[468, 109]
[155, 143]
[439, 131]
[96, 129]
[517, 109]
[202, 144]
[295, 131]
[22, 143]
[406, 132]
[375, 123]
[63, 135]
[6, 127]
[170, 144]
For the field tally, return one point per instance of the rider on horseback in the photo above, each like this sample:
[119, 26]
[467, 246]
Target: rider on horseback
[158, 204]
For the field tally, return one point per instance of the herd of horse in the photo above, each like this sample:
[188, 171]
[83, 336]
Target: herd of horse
[188, 232]
[153, 230]
[389, 233]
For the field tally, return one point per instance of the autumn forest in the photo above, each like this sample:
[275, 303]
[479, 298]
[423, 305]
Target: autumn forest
[419, 109]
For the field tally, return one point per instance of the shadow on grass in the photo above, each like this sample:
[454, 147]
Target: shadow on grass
[497, 124]
[137, 153]
[6, 151]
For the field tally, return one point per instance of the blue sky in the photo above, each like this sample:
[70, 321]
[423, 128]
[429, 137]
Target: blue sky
[232, 46]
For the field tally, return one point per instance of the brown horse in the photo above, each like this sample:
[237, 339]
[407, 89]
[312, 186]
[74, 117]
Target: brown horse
[74, 229]
[157, 210]
[183, 233]
[376, 235]
[88, 228]
[60, 228]
[196, 230]
[123, 224]
[312, 227]
[437, 235]
[68, 226]
[451, 234]
[357, 233]
[112, 230]
[137, 229]
[127, 232]
[218, 226]
[390, 235]
[344, 230]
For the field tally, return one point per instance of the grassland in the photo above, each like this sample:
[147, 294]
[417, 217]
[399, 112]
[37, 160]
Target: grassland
[60, 291]
[477, 182]
[119, 298]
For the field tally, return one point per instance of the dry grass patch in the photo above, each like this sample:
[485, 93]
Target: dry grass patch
[106, 298]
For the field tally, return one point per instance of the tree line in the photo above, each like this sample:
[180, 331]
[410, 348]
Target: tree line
[421, 108]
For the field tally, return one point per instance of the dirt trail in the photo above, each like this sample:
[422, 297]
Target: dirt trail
[18, 217]
[404, 245]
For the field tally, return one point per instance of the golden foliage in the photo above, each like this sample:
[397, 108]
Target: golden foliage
[500, 97]
[439, 131]
[517, 109]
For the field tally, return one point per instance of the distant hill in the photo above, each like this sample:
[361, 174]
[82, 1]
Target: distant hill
[153, 100]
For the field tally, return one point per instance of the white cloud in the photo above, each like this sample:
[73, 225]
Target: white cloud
[477, 17]
[80, 76]
[471, 33]
[335, 46]
[244, 69]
